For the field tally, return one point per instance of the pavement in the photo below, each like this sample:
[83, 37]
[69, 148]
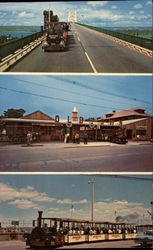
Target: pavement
[88, 52]
[20, 245]
[93, 157]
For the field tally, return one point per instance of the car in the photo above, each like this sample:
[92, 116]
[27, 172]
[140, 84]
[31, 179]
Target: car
[145, 240]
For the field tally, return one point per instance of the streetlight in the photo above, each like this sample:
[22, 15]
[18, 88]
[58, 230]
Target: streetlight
[92, 181]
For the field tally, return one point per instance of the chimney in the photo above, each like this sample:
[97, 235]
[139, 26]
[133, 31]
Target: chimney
[39, 218]
[74, 115]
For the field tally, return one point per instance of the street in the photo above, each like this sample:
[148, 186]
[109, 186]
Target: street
[60, 157]
[89, 52]
[20, 245]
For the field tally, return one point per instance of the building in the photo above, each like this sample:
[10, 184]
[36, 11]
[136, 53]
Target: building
[137, 123]
[47, 128]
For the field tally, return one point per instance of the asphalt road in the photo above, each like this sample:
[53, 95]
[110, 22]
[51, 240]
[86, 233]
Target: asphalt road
[88, 52]
[57, 158]
[19, 245]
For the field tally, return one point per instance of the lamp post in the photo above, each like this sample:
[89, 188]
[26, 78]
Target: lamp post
[92, 181]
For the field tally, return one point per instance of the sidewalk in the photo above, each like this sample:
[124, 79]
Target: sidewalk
[105, 144]
[72, 145]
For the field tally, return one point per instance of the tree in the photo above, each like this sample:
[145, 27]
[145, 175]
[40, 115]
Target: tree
[14, 113]
[91, 119]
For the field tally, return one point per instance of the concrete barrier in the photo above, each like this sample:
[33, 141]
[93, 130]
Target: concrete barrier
[10, 47]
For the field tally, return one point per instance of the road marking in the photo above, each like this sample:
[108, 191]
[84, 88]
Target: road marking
[78, 38]
[89, 60]
[93, 67]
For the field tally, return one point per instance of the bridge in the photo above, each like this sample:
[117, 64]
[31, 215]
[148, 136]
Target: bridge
[89, 51]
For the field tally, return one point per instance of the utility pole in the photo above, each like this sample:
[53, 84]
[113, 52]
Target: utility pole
[92, 182]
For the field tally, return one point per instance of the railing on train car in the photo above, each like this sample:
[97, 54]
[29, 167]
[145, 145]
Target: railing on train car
[12, 46]
[140, 41]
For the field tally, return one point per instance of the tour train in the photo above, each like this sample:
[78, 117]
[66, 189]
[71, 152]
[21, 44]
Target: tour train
[55, 232]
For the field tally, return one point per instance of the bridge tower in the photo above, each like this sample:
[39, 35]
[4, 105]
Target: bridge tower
[72, 16]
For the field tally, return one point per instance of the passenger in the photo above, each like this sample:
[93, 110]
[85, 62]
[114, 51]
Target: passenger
[110, 231]
[94, 231]
[70, 231]
[91, 231]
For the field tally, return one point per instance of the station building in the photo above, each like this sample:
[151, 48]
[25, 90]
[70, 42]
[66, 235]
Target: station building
[136, 123]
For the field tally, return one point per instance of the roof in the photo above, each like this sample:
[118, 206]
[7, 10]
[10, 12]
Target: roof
[54, 122]
[127, 122]
[36, 115]
[126, 113]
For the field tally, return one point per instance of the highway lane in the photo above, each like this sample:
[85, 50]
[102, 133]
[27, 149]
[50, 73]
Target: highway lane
[71, 60]
[88, 51]
[108, 56]
[54, 158]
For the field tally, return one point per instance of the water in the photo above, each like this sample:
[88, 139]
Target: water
[18, 31]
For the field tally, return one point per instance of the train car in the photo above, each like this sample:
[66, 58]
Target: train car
[96, 232]
[56, 37]
[130, 231]
[55, 232]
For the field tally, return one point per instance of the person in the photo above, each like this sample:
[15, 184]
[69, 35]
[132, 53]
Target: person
[66, 139]
[29, 138]
[85, 138]
[77, 138]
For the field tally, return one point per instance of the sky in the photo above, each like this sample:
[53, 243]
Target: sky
[97, 13]
[94, 96]
[21, 196]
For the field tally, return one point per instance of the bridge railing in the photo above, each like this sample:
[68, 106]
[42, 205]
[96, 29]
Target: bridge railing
[12, 46]
[140, 41]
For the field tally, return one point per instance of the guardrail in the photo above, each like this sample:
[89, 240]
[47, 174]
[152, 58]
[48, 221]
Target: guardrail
[140, 41]
[17, 55]
[10, 47]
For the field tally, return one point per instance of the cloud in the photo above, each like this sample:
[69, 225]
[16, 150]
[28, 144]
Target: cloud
[24, 204]
[114, 7]
[138, 6]
[97, 3]
[68, 201]
[24, 196]
[149, 3]
[25, 14]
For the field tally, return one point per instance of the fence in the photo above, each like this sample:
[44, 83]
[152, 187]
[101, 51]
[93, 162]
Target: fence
[12, 46]
[140, 41]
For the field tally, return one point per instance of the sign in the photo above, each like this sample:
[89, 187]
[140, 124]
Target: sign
[141, 127]
[81, 120]
[83, 128]
[91, 125]
[69, 124]
[57, 118]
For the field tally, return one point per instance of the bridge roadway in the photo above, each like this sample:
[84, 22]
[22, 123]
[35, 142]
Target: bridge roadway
[88, 51]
